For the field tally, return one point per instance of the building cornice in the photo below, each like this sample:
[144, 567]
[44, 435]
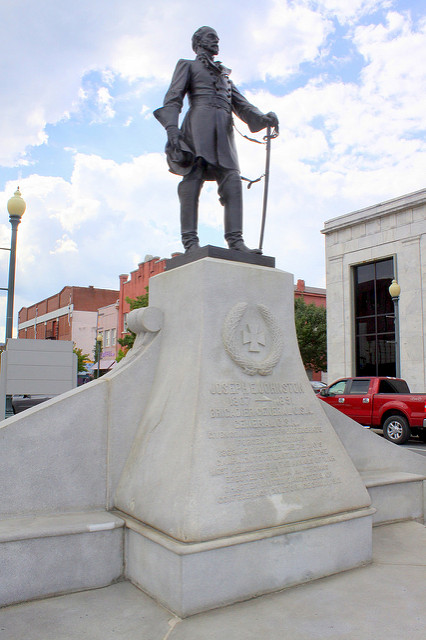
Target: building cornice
[409, 201]
[45, 317]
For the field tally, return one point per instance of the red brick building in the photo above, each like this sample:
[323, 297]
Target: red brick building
[311, 295]
[71, 314]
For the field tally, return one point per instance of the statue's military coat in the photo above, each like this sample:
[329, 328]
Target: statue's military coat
[207, 128]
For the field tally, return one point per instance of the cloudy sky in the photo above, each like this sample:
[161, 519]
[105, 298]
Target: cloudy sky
[80, 81]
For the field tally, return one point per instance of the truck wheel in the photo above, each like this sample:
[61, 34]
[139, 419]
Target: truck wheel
[422, 435]
[396, 429]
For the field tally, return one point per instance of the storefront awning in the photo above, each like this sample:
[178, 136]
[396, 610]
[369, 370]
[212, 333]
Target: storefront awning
[107, 364]
[103, 365]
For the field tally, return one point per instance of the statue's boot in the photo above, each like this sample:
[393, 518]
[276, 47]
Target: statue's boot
[189, 193]
[239, 245]
[231, 196]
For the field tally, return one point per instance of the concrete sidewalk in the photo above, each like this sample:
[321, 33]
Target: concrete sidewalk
[383, 601]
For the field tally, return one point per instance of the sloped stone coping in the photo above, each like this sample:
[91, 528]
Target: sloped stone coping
[382, 478]
[47, 526]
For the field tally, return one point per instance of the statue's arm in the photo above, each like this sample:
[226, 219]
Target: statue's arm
[251, 115]
[168, 114]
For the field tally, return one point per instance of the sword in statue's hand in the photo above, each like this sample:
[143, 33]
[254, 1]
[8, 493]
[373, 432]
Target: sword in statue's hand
[271, 132]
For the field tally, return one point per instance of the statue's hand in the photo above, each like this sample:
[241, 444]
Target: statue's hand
[174, 135]
[271, 119]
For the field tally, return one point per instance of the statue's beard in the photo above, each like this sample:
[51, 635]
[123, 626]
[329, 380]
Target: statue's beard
[210, 51]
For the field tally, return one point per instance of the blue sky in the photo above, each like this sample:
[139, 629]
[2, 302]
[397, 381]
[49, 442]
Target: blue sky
[80, 82]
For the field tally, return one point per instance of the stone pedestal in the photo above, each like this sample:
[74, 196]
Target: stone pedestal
[236, 483]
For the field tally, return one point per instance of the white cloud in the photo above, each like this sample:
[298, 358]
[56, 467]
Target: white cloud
[348, 11]
[92, 224]
[289, 35]
[105, 102]
[64, 245]
[372, 124]
[3, 306]
[391, 52]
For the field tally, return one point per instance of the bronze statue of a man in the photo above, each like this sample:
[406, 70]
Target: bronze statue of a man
[204, 147]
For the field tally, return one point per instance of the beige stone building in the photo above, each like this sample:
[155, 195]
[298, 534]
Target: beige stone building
[365, 251]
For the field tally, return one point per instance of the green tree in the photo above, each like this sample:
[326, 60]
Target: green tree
[311, 330]
[128, 339]
[82, 358]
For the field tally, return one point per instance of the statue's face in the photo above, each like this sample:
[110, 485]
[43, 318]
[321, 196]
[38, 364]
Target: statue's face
[209, 41]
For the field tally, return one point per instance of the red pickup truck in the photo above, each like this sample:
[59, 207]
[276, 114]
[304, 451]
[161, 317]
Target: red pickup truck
[381, 403]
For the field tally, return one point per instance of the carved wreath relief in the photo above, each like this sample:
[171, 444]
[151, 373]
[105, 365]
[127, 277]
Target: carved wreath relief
[253, 338]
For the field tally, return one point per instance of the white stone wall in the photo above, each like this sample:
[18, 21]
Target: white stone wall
[392, 229]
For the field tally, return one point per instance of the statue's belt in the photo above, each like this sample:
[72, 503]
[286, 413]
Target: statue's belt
[214, 101]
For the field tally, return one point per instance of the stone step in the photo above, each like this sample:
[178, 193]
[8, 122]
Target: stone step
[48, 555]
[396, 495]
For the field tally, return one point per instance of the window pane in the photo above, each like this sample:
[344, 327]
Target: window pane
[359, 387]
[384, 300]
[338, 388]
[366, 356]
[365, 272]
[393, 386]
[366, 325]
[364, 297]
[386, 324]
[384, 269]
[386, 354]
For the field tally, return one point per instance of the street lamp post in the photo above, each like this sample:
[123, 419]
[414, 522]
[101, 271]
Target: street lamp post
[16, 207]
[99, 352]
[395, 291]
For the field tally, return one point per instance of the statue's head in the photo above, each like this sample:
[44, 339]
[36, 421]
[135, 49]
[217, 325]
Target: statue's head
[206, 39]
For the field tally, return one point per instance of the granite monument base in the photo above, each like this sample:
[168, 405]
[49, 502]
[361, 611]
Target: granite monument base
[236, 483]
[191, 578]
